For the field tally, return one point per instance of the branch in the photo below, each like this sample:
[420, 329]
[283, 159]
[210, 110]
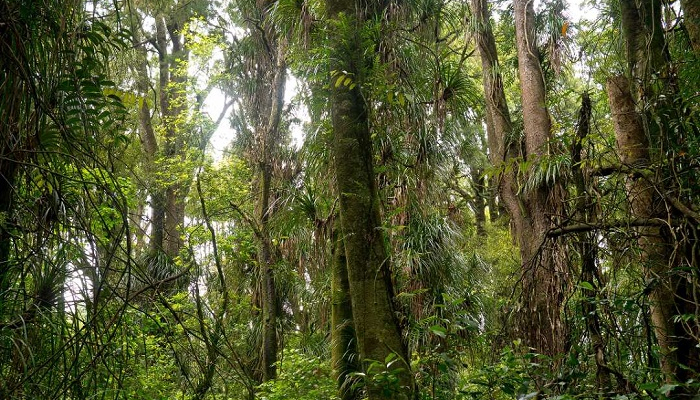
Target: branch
[684, 209]
[586, 227]
[607, 170]
[253, 225]
[463, 193]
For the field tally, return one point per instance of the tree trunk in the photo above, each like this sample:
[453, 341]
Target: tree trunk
[343, 342]
[173, 110]
[479, 203]
[149, 143]
[369, 276]
[691, 20]
[544, 273]
[503, 145]
[588, 250]
[269, 297]
[657, 257]
[270, 139]
[646, 135]
[495, 207]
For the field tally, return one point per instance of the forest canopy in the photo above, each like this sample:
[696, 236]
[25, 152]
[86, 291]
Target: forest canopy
[349, 199]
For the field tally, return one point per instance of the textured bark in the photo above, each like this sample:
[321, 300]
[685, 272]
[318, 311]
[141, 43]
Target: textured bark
[535, 115]
[503, 146]
[376, 327]
[647, 55]
[691, 20]
[544, 274]
[269, 297]
[377, 330]
[149, 141]
[343, 342]
[174, 108]
[643, 138]
[540, 323]
[657, 256]
[479, 203]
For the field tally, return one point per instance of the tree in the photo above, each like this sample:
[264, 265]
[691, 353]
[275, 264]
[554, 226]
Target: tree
[378, 333]
[535, 210]
[260, 120]
[643, 138]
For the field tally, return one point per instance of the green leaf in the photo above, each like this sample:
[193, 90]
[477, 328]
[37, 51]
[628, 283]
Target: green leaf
[586, 285]
[438, 331]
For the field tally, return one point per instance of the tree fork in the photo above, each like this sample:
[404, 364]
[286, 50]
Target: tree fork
[544, 273]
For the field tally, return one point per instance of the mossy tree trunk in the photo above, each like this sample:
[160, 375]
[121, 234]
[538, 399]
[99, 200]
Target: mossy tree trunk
[691, 20]
[369, 277]
[343, 342]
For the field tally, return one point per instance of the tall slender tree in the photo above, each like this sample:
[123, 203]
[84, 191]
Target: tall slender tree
[379, 338]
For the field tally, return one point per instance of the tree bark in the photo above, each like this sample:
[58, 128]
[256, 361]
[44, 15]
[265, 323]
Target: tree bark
[376, 327]
[544, 274]
[343, 341]
[270, 139]
[691, 20]
[479, 203]
[503, 145]
[657, 257]
[175, 131]
[149, 141]
[644, 122]
[531, 213]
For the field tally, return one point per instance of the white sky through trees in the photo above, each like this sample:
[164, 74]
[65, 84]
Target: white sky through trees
[577, 10]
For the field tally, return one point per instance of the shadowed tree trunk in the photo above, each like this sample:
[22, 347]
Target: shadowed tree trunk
[263, 74]
[691, 19]
[269, 140]
[343, 342]
[657, 258]
[173, 101]
[480, 199]
[369, 276]
[587, 248]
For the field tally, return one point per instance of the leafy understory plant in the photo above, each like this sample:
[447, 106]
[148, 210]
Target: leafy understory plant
[301, 377]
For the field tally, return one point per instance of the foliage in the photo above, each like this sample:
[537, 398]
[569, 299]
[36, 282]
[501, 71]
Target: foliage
[301, 376]
[105, 129]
